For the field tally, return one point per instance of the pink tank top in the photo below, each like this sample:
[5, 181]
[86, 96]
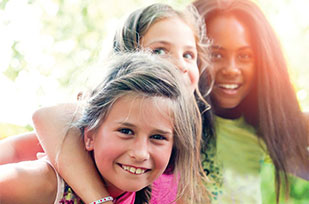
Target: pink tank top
[127, 198]
[164, 189]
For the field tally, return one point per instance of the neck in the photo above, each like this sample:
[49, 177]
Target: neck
[228, 113]
[114, 191]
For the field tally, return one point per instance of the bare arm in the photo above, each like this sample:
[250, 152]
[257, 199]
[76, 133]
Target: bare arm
[19, 148]
[27, 182]
[74, 163]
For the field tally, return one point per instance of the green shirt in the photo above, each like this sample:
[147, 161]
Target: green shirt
[240, 170]
[234, 164]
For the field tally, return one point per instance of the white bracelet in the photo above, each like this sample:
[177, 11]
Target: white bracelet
[103, 200]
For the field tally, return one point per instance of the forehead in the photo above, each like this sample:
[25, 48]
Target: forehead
[228, 31]
[170, 29]
[154, 111]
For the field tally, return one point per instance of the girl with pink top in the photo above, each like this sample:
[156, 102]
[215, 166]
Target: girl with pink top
[140, 121]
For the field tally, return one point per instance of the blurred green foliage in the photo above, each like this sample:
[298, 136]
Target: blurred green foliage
[49, 46]
[11, 129]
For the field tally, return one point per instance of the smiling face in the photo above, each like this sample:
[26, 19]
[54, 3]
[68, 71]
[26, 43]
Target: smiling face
[132, 147]
[174, 39]
[233, 60]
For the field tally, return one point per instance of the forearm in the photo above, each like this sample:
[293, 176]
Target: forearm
[65, 148]
[77, 168]
[52, 124]
[19, 148]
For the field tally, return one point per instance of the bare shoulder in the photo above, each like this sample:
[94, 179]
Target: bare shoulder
[27, 182]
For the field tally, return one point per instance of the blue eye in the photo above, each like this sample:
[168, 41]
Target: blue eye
[189, 56]
[126, 131]
[158, 137]
[159, 51]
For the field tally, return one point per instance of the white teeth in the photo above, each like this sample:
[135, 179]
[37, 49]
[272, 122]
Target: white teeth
[229, 86]
[140, 171]
[133, 170]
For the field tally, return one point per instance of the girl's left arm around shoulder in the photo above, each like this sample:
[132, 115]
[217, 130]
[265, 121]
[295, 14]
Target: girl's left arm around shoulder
[27, 182]
[17, 148]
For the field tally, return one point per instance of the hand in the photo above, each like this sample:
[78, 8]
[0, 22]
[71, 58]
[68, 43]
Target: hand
[40, 155]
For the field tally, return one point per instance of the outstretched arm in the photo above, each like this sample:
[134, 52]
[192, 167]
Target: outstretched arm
[19, 148]
[27, 182]
[65, 149]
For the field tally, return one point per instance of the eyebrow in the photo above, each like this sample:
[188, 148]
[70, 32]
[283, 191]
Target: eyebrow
[160, 41]
[222, 48]
[168, 44]
[217, 47]
[246, 48]
[163, 132]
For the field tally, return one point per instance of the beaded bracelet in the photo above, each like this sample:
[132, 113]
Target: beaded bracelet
[103, 200]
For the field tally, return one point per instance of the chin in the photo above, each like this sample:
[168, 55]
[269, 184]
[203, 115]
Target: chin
[231, 111]
[133, 187]
[227, 105]
[222, 102]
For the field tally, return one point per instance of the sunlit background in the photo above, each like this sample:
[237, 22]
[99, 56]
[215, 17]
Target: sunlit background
[47, 48]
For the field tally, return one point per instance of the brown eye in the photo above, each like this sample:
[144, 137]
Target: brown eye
[245, 57]
[216, 56]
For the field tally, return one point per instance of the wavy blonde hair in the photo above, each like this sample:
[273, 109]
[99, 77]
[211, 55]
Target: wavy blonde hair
[150, 76]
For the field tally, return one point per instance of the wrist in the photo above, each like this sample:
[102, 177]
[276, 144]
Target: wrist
[103, 200]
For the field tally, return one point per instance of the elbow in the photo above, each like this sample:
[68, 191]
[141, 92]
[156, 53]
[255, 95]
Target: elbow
[38, 115]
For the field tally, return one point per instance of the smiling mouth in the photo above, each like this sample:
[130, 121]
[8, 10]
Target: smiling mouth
[229, 86]
[134, 170]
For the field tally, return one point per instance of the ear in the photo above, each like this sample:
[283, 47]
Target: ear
[88, 139]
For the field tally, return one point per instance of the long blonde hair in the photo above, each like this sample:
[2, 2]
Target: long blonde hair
[147, 76]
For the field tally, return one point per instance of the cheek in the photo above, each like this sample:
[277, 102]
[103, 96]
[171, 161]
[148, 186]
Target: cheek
[106, 153]
[161, 158]
[250, 75]
[215, 70]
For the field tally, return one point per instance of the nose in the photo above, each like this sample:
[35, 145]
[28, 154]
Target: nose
[179, 61]
[139, 150]
[231, 69]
